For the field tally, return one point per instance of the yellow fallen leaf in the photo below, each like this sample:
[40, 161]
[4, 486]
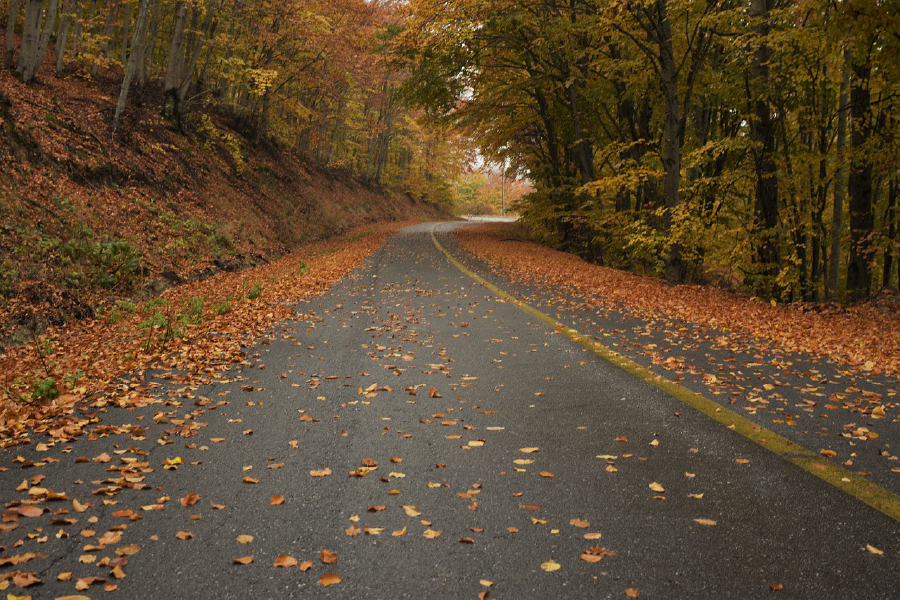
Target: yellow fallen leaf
[374, 530]
[529, 450]
[330, 579]
[396, 475]
[523, 461]
[709, 522]
[579, 523]
[244, 560]
[486, 582]
[244, 539]
[550, 566]
[431, 534]
[592, 536]
[400, 532]
[874, 550]
[285, 560]
[320, 472]
[411, 510]
[657, 488]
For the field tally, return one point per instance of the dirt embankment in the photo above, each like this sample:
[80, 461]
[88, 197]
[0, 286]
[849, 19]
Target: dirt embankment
[89, 217]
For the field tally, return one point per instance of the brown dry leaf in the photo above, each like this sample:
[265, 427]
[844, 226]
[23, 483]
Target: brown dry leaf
[632, 593]
[376, 508]
[330, 579]
[657, 488]
[217, 506]
[244, 538]
[128, 550]
[579, 523]
[244, 560]
[353, 531]
[776, 587]
[103, 458]
[410, 510]
[184, 535]
[305, 565]
[86, 582]
[294, 444]
[709, 522]
[466, 540]
[328, 557]
[431, 534]
[250, 480]
[79, 507]
[399, 532]
[433, 393]
[742, 461]
[64, 576]
[320, 473]
[28, 511]
[276, 466]
[118, 573]
[592, 536]
[591, 558]
[109, 538]
[529, 449]
[530, 506]
[23, 580]
[547, 474]
[513, 529]
[286, 560]
[276, 500]
[190, 499]
[396, 459]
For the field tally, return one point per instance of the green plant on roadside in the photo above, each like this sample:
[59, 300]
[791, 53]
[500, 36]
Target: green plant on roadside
[45, 389]
[223, 307]
[255, 292]
[193, 311]
[302, 268]
[74, 377]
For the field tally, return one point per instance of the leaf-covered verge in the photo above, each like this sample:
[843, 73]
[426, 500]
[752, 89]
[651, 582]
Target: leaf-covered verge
[89, 218]
[192, 327]
[866, 335]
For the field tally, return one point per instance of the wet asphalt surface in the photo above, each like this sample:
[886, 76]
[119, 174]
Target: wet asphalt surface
[408, 359]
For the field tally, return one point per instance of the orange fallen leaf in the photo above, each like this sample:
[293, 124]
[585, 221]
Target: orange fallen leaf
[244, 560]
[433, 393]
[190, 499]
[244, 538]
[321, 472]
[708, 522]
[632, 593]
[547, 474]
[250, 480]
[874, 550]
[118, 573]
[305, 565]
[23, 580]
[328, 557]
[550, 566]
[285, 560]
[86, 582]
[657, 487]
[353, 531]
[529, 449]
[592, 536]
[399, 532]
[776, 587]
[184, 535]
[330, 579]
[128, 550]
[431, 534]
[276, 500]
[466, 540]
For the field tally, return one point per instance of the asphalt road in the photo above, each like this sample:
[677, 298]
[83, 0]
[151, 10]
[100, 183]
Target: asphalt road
[427, 387]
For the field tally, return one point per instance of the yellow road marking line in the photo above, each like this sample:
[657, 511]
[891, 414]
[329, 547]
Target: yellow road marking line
[847, 481]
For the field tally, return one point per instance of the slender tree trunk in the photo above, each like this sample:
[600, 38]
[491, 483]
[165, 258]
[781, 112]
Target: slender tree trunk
[859, 186]
[131, 66]
[670, 146]
[837, 219]
[176, 59]
[891, 218]
[62, 36]
[126, 24]
[762, 133]
[146, 59]
[78, 29]
[107, 34]
[206, 32]
[11, 34]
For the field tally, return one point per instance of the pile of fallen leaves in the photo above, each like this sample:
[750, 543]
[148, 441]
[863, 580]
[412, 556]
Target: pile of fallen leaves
[99, 351]
[865, 336]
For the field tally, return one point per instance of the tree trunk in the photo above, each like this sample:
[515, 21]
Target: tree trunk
[859, 186]
[35, 39]
[670, 146]
[126, 23]
[131, 66]
[762, 133]
[107, 34]
[174, 65]
[11, 33]
[188, 74]
[837, 219]
[145, 67]
[891, 218]
[62, 36]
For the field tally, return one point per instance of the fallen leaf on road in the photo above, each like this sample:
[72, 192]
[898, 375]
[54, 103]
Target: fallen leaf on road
[305, 565]
[86, 582]
[466, 540]
[285, 560]
[709, 522]
[579, 523]
[632, 593]
[330, 579]
[353, 531]
[24, 580]
[184, 535]
[374, 530]
[657, 487]
[550, 566]
[190, 499]
[399, 532]
[431, 534]
[874, 550]
[276, 500]
[128, 550]
[244, 539]
[250, 480]
[592, 536]
[547, 474]
[321, 472]
[433, 393]
[328, 557]
[118, 573]
[776, 587]
[529, 449]
[411, 510]
[244, 560]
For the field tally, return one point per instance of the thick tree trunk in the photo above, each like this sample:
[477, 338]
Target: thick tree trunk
[9, 59]
[35, 38]
[132, 64]
[859, 185]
